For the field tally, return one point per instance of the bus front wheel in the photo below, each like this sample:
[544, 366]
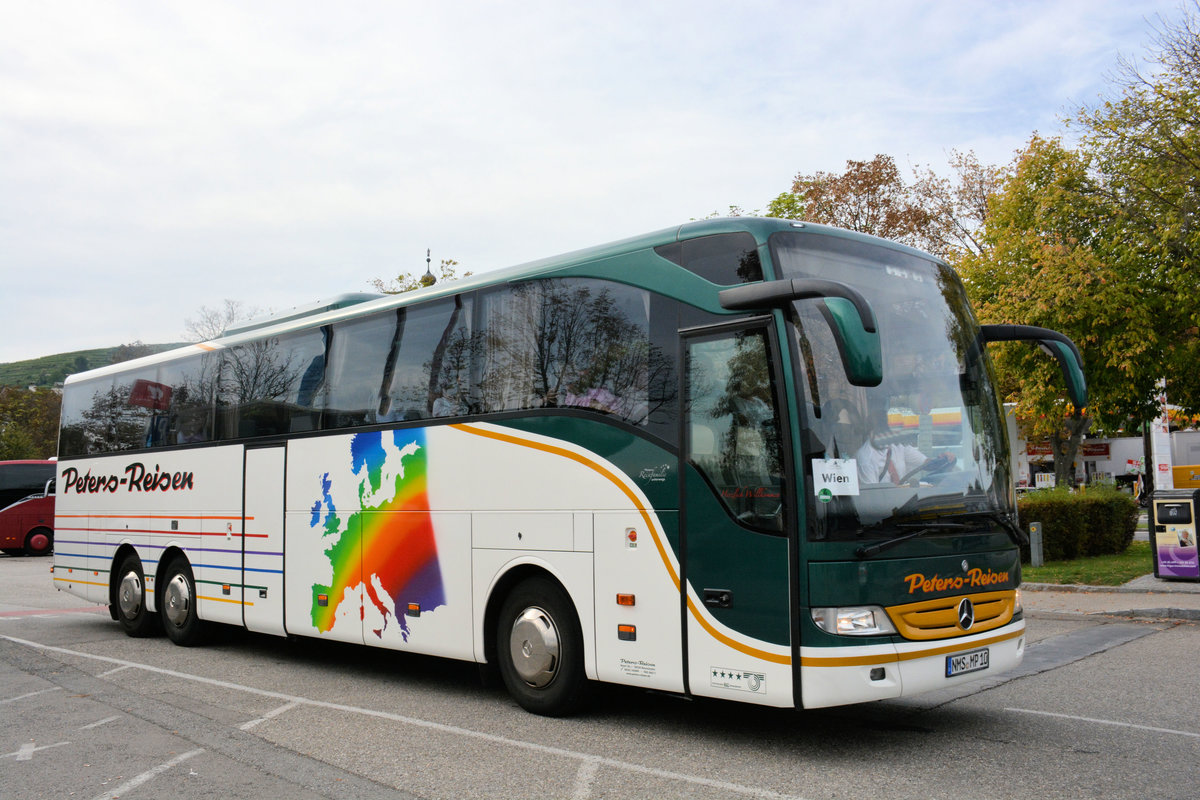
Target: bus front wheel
[178, 605]
[131, 599]
[539, 648]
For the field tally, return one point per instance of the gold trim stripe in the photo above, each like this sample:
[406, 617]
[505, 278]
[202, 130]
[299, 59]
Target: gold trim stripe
[223, 600]
[908, 655]
[86, 583]
[754, 652]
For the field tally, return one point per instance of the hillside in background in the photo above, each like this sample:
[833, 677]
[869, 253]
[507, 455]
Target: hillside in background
[49, 370]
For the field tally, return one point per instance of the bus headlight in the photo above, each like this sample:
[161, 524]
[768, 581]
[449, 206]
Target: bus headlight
[853, 621]
[1017, 607]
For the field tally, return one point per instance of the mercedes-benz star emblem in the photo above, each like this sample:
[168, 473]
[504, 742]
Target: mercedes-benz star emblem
[966, 614]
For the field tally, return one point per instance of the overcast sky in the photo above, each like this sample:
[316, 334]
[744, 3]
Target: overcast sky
[156, 157]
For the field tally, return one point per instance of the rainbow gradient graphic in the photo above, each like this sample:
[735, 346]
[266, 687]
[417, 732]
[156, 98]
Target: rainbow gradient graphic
[387, 543]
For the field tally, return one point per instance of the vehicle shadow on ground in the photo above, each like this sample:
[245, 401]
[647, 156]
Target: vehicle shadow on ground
[834, 734]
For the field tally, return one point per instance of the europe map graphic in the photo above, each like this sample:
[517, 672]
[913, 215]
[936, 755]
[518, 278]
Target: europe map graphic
[385, 545]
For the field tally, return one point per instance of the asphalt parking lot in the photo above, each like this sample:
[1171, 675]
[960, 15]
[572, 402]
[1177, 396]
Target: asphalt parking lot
[1099, 708]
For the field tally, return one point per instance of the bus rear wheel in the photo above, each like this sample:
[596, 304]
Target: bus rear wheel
[178, 605]
[539, 648]
[39, 542]
[130, 599]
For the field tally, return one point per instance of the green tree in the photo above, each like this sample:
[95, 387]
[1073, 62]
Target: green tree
[28, 422]
[15, 443]
[1146, 143]
[1047, 257]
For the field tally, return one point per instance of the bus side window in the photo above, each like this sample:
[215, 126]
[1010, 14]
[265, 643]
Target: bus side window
[272, 386]
[83, 421]
[358, 361]
[191, 383]
[432, 367]
[724, 258]
[574, 344]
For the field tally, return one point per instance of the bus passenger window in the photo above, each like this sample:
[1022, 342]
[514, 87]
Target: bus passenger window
[432, 366]
[272, 386]
[358, 361]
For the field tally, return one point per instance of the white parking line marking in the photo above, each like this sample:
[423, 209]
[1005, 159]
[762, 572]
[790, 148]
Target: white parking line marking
[269, 715]
[97, 724]
[695, 780]
[111, 671]
[583, 779]
[29, 694]
[137, 781]
[27, 750]
[1105, 722]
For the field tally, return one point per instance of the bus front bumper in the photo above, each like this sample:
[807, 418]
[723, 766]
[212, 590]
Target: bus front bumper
[831, 676]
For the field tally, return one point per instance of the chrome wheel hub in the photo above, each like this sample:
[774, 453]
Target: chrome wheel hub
[129, 595]
[177, 600]
[534, 648]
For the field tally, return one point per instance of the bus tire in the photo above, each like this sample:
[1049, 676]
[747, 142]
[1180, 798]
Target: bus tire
[539, 649]
[130, 599]
[178, 604]
[39, 542]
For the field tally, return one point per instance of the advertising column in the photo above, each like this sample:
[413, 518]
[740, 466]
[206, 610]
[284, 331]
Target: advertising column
[1174, 534]
[1160, 443]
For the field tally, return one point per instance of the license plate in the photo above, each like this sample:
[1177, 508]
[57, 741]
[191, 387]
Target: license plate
[971, 661]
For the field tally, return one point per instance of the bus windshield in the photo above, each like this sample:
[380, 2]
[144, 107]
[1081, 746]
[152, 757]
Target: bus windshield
[928, 443]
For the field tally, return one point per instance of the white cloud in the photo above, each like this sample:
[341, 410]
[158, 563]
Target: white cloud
[155, 157]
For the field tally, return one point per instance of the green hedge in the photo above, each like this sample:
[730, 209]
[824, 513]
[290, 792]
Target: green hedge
[1095, 522]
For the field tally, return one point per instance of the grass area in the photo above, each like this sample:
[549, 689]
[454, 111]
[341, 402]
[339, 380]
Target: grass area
[1097, 570]
[45, 371]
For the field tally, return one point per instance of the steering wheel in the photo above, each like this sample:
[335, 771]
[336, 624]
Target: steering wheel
[939, 463]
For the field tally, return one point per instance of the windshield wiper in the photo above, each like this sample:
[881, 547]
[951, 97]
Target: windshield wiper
[923, 528]
[1002, 519]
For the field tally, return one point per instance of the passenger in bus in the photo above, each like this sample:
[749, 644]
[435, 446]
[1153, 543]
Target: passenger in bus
[191, 430]
[884, 458]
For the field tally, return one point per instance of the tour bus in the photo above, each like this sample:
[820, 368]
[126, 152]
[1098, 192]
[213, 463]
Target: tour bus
[26, 526]
[19, 479]
[26, 507]
[748, 459]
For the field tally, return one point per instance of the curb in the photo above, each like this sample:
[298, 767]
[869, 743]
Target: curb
[1186, 614]
[1081, 587]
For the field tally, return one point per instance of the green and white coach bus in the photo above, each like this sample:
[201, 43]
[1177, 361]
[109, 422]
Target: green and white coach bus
[748, 459]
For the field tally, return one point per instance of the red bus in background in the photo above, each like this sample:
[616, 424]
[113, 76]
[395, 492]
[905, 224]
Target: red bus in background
[27, 507]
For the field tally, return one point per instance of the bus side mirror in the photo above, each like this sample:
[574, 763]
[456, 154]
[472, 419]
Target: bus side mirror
[1054, 343]
[860, 349]
[848, 313]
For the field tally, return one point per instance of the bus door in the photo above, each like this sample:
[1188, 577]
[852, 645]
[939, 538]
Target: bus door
[262, 539]
[733, 515]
